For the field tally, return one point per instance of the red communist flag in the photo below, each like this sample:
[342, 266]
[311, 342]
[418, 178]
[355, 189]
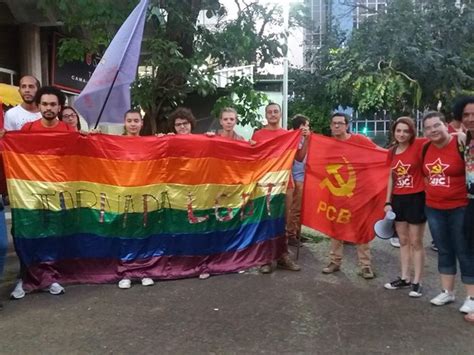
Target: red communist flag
[345, 188]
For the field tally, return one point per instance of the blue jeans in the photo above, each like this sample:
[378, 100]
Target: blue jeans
[3, 241]
[446, 227]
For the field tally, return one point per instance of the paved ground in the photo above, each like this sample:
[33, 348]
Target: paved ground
[285, 312]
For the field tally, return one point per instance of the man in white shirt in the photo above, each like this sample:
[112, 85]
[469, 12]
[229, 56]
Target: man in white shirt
[27, 111]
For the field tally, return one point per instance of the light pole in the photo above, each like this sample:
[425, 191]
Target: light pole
[286, 15]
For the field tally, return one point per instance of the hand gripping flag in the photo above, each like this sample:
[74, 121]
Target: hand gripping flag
[106, 96]
[345, 187]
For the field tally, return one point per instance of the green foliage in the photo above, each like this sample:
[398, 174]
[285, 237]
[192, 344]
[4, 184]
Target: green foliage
[409, 58]
[309, 98]
[245, 100]
[244, 41]
[91, 24]
[180, 56]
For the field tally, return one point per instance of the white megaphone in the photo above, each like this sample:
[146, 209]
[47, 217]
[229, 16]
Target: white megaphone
[384, 228]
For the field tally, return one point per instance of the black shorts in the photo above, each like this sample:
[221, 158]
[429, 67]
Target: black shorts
[409, 208]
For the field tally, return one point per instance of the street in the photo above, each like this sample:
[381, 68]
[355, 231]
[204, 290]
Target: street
[284, 312]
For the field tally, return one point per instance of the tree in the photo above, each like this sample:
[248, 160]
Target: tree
[410, 57]
[179, 55]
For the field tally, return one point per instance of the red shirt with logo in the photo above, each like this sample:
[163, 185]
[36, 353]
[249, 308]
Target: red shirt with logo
[266, 134]
[406, 169]
[445, 177]
[37, 126]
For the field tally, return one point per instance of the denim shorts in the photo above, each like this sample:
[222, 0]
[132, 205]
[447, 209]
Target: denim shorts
[447, 229]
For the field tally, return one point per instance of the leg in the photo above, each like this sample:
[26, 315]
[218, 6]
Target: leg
[296, 209]
[363, 253]
[438, 221]
[403, 236]
[289, 228]
[465, 242]
[464, 251]
[335, 254]
[3, 242]
[416, 232]
[335, 257]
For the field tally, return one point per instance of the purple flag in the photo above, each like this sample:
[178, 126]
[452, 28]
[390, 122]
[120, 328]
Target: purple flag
[115, 73]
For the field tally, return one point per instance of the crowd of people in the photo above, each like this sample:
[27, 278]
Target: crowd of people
[431, 179]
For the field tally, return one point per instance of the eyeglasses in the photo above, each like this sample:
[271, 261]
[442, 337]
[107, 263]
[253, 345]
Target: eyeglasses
[181, 124]
[338, 123]
[72, 115]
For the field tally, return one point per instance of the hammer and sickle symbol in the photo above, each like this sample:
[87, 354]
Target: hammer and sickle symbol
[343, 187]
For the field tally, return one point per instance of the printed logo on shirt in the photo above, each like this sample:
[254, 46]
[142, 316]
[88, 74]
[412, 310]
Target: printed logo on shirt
[403, 179]
[436, 171]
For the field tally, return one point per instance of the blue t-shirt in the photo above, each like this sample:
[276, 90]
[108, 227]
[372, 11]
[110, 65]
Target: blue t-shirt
[298, 166]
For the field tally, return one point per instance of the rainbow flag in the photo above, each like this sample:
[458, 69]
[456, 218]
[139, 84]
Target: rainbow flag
[98, 208]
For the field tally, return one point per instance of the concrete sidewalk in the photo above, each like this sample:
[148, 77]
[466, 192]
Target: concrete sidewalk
[285, 312]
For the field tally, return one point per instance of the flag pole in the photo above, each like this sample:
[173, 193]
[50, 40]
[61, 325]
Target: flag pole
[106, 99]
[120, 65]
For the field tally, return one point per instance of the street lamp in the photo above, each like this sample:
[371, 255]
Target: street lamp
[286, 15]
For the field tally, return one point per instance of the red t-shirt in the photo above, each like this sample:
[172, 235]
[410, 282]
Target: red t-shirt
[445, 174]
[361, 140]
[406, 169]
[265, 134]
[37, 126]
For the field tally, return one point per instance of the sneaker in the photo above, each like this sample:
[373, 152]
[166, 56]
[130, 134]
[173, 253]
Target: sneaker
[286, 263]
[468, 305]
[398, 283]
[395, 242]
[125, 283]
[18, 292]
[366, 273]
[204, 276]
[331, 268]
[416, 290]
[146, 281]
[433, 246]
[266, 269]
[56, 289]
[443, 298]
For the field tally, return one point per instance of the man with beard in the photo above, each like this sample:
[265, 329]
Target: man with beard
[27, 111]
[272, 130]
[50, 101]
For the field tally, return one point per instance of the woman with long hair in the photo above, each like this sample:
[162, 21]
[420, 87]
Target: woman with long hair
[406, 198]
[70, 117]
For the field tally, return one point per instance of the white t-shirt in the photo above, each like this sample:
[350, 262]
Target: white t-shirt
[17, 116]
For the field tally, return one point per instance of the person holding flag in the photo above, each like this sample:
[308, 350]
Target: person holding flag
[271, 130]
[133, 123]
[339, 123]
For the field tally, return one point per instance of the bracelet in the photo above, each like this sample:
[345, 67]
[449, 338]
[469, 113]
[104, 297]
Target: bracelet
[388, 204]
